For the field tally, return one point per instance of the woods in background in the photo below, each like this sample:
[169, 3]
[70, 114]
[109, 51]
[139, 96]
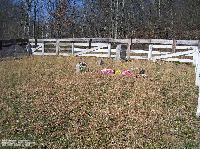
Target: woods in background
[166, 19]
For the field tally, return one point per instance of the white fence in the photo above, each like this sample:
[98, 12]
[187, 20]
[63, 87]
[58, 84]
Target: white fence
[76, 49]
[178, 50]
[103, 47]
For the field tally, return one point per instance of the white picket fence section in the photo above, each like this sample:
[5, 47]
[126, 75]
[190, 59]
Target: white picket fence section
[167, 56]
[97, 48]
[192, 51]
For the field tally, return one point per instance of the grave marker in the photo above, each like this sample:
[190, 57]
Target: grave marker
[120, 52]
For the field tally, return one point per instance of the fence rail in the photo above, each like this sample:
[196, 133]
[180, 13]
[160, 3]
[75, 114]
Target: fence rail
[13, 50]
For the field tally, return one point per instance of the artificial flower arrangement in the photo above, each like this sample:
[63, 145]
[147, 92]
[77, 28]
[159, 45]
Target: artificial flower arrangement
[106, 71]
[126, 72]
[81, 66]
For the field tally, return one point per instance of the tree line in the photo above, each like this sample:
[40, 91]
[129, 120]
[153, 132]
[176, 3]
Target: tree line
[166, 19]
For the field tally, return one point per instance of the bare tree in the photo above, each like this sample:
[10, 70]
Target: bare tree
[59, 18]
[100, 18]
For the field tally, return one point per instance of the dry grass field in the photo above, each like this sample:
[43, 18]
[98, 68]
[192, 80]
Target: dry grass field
[43, 99]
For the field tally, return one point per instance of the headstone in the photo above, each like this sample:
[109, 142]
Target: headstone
[100, 62]
[142, 71]
[123, 52]
[120, 52]
[78, 67]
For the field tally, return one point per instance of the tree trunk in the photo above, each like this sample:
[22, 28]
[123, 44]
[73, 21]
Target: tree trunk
[116, 19]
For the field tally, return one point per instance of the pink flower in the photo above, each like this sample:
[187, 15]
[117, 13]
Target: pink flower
[109, 71]
[100, 72]
[128, 73]
[123, 73]
[106, 72]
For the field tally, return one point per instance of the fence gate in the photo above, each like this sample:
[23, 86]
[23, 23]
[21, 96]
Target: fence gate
[168, 56]
[96, 47]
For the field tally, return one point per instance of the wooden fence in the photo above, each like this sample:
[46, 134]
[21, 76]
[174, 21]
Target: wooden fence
[98, 47]
[13, 47]
[106, 47]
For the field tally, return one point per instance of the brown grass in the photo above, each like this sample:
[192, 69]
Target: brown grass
[43, 100]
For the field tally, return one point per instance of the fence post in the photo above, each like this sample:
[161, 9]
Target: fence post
[150, 52]
[15, 54]
[197, 70]
[174, 46]
[129, 49]
[90, 41]
[29, 50]
[109, 50]
[57, 46]
[195, 56]
[197, 78]
[198, 106]
[198, 46]
[72, 48]
[35, 42]
[43, 49]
